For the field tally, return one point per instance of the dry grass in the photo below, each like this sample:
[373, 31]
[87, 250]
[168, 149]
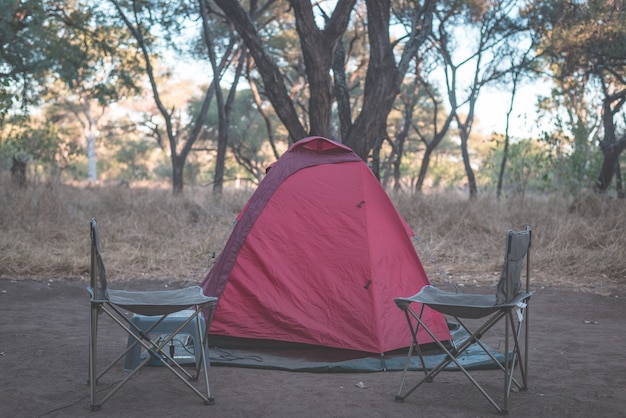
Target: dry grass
[580, 243]
[146, 232]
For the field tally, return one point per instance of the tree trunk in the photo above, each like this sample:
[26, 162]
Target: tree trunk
[225, 110]
[178, 169]
[342, 92]
[439, 134]
[92, 170]
[611, 153]
[222, 146]
[397, 164]
[382, 82]
[618, 181]
[505, 151]
[18, 170]
[611, 148]
[469, 171]
[91, 134]
[419, 185]
[259, 107]
[375, 164]
[505, 157]
[273, 79]
[318, 49]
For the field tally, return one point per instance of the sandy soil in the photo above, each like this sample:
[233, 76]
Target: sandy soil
[577, 368]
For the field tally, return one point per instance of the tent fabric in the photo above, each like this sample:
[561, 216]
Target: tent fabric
[318, 254]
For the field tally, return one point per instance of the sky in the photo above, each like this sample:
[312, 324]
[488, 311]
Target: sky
[493, 104]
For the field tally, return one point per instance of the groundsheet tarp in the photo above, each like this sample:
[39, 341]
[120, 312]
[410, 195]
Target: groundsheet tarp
[267, 355]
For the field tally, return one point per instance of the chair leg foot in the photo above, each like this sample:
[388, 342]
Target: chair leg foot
[95, 408]
[399, 399]
[210, 401]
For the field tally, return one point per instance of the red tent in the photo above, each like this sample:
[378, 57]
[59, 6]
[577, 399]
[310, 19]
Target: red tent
[317, 256]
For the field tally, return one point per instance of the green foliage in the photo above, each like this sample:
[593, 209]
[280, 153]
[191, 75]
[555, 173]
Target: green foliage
[47, 146]
[573, 165]
[69, 55]
[529, 168]
[583, 36]
[583, 45]
[23, 45]
[446, 173]
[132, 157]
[70, 41]
[247, 137]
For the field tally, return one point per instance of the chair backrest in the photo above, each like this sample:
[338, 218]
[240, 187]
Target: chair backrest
[97, 265]
[517, 249]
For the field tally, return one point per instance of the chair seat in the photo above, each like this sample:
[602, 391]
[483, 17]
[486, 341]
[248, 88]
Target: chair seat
[159, 302]
[459, 304]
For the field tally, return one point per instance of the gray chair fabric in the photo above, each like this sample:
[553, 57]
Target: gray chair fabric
[459, 304]
[509, 304]
[158, 302]
[510, 282]
[162, 303]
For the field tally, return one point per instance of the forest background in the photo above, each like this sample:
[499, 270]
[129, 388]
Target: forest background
[105, 105]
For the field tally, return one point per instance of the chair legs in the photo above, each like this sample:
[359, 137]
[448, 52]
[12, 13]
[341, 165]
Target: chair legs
[157, 350]
[513, 331]
[93, 350]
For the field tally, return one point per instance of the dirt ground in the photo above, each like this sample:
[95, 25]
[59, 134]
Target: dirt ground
[577, 368]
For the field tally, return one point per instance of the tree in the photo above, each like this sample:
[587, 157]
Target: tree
[224, 107]
[26, 44]
[64, 50]
[319, 48]
[438, 128]
[105, 72]
[142, 20]
[528, 169]
[474, 38]
[41, 142]
[585, 41]
[520, 65]
[575, 120]
[420, 127]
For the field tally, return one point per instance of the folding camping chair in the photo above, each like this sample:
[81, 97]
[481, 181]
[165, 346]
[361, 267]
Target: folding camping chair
[510, 303]
[162, 303]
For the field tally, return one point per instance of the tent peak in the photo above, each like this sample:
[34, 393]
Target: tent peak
[318, 144]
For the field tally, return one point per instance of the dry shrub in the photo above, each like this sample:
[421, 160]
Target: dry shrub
[148, 232]
[144, 231]
[580, 243]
